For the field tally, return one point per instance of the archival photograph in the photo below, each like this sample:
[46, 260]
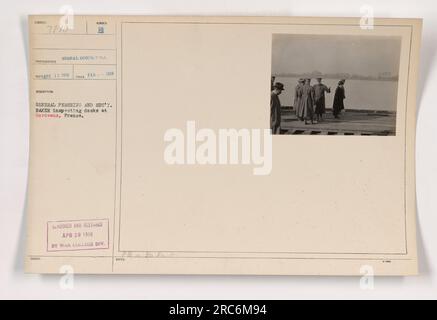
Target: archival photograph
[334, 84]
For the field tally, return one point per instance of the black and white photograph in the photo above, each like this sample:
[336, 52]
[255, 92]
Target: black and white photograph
[334, 84]
[139, 159]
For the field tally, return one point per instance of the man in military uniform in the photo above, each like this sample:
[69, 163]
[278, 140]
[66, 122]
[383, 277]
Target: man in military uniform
[298, 96]
[306, 110]
[319, 98]
[275, 108]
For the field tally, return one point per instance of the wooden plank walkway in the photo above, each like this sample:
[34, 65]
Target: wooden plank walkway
[352, 122]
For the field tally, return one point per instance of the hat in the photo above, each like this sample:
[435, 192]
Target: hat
[341, 82]
[301, 80]
[279, 86]
[319, 78]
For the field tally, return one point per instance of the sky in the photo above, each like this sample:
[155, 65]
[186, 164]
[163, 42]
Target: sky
[361, 55]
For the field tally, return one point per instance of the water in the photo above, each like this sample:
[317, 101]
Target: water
[360, 94]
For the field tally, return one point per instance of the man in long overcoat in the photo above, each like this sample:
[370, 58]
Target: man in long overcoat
[339, 96]
[298, 97]
[319, 98]
[275, 108]
[306, 109]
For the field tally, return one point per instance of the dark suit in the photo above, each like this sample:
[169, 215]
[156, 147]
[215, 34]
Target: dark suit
[319, 97]
[275, 113]
[338, 104]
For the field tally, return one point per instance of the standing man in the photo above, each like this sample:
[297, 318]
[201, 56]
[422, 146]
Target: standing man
[275, 108]
[298, 97]
[339, 96]
[319, 97]
[306, 109]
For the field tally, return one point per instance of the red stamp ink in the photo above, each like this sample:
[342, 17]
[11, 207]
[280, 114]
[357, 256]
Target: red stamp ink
[77, 235]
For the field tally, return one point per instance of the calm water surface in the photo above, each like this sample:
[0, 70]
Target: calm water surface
[360, 94]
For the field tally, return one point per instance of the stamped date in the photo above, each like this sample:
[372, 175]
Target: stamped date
[77, 235]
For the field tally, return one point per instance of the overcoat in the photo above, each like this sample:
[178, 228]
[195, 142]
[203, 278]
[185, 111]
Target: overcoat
[338, 103]
[275, 113]
[319, 97]
[297, 98]
[306, 109]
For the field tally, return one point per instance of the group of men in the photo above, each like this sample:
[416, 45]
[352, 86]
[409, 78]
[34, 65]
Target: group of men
[309, 101]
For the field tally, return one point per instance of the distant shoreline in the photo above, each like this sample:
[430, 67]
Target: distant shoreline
[382, 112]
[334, 77]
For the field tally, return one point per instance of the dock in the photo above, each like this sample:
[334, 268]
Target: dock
[351, 122]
